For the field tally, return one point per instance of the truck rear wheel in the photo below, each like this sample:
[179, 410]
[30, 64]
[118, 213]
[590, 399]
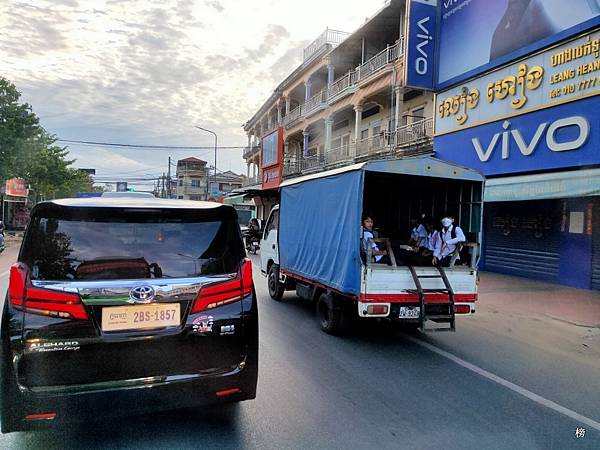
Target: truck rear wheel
[276, 289]
[332, 318]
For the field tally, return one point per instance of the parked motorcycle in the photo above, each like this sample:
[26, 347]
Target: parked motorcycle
[252, 239]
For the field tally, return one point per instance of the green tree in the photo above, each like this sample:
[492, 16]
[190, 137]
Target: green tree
[28, 151]
[19, 129]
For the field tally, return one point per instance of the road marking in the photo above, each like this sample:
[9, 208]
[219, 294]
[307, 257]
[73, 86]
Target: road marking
[4, 273]
[513, 387]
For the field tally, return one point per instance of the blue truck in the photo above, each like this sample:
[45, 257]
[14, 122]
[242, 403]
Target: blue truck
[311, 242]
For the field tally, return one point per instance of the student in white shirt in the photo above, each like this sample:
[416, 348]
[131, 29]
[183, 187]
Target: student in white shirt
[451, 235]
[378, 255]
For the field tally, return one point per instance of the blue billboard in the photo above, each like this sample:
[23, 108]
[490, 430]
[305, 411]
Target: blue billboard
[562, 136]
[478, 35]
[420, 49]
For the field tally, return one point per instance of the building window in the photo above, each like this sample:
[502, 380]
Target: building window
[196, 183]
[364, 134]
[370, 112]
[418, 114]
[181, 182]
[180, 197]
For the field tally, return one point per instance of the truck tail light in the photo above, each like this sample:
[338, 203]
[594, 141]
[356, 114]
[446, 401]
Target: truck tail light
[224, 292]
[462, 309]
[41, 301]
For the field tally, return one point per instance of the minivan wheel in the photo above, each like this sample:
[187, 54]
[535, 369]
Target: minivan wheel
[331, 320]
[276, 289]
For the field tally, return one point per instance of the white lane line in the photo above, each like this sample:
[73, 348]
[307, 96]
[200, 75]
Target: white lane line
[4, 273]
[513, 387]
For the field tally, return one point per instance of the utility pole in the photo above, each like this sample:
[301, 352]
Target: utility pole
[169, 179]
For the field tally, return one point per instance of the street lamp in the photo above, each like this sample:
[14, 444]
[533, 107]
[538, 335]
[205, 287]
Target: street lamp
[215, 135]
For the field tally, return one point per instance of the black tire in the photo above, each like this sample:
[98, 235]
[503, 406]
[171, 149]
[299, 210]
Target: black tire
[332, 318]
[9, 392]
[276, 289]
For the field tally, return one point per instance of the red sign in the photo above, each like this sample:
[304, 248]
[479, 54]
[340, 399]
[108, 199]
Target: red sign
[272, 156]
[16, 187]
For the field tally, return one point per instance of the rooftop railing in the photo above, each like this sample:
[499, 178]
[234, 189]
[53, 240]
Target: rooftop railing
[332, 37]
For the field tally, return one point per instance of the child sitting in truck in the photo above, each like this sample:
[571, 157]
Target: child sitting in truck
[379, 256]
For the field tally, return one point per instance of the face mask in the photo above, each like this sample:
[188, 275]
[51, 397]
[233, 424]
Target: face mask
[446, 222]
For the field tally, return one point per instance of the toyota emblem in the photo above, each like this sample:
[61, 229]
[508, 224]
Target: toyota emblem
[142, 294]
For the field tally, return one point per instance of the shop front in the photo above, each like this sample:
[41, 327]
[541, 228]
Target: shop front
[533, 129]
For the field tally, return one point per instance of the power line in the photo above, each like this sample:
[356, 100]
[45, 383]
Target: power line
[148, 147]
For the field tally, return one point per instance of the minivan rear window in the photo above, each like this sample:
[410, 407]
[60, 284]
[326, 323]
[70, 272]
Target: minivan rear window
[57, 249]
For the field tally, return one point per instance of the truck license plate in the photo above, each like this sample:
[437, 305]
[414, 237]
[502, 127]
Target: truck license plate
[409, 312]
[118, 318]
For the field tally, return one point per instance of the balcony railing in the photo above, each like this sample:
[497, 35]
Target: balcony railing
[311, 163]
[347, 81]
[339, 155]
[292, 116]
[414, 132]
[332, 37]
[292, 167]
[379, 61]
[343, 83]
[376, 145]
[414, 138]
[317, 100]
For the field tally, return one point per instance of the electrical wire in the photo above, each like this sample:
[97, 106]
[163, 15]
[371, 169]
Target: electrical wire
[148, 147]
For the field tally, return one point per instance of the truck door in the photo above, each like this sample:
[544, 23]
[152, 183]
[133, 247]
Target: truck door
[268, 246]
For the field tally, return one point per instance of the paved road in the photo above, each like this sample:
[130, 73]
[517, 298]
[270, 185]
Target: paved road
[379, 388]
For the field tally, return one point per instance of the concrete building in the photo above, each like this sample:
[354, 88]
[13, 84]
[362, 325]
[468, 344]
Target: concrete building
[225, 183]
[347, 101]
[192, 181]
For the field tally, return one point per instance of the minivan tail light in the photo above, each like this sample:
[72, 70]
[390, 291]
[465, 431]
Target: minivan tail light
[224, 292]
[54, 303]
[42, 301]
[17, 283]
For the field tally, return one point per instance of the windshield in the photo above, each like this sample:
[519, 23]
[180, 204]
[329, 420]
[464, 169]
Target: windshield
[83, 250]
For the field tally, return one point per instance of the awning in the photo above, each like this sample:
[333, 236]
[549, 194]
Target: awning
[242, 199]
[576, 183]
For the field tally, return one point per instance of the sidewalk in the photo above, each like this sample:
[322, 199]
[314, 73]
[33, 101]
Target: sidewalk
[512, 294]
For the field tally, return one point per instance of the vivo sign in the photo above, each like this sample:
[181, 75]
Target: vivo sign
[560, 137]
[550, 130]
[422, 26]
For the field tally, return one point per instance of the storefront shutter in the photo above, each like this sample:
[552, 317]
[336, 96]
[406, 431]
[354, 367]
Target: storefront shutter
[523, 239]
[596, 247]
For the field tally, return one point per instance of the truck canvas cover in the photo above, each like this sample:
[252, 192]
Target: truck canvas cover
[320, 218]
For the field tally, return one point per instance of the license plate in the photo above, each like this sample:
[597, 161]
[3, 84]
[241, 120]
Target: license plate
[158, 315]
[409, 312]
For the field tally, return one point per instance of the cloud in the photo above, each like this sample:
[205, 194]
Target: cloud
[276, 35]
[217, 6]
[147, 71]
[33, 30]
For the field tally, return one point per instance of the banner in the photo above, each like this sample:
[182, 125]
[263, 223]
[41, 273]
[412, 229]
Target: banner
[420, 48]
[478, 35]
[564, 136]
[272, 155]
[561, 74]
[16, 187]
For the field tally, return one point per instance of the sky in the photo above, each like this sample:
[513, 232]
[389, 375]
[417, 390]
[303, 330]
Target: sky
[146, 72]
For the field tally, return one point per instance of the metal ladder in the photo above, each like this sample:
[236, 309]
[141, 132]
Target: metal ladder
[447, 318]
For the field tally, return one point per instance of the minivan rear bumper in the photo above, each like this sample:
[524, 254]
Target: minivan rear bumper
[133, 397]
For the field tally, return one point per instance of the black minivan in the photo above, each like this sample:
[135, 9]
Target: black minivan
[122, 306]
